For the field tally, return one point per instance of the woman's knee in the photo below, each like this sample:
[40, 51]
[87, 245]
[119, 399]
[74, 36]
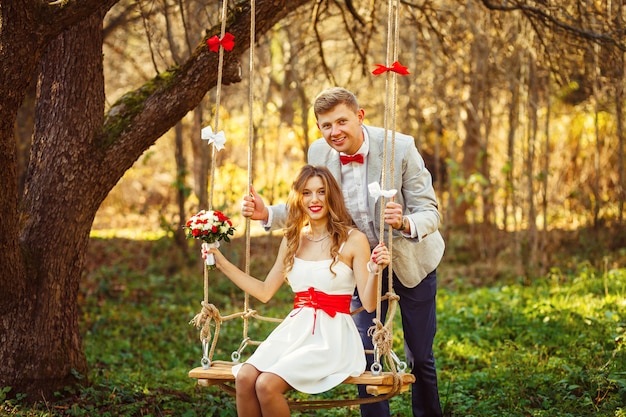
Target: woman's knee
[246, 377]
[268, 385]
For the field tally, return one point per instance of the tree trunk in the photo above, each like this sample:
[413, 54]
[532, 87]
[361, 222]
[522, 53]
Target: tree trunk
[530, 242]
[597, 198]
[472, 145]
[513, 116]
[201, 159]
[59, 205]
[619, 115]
[181, 194]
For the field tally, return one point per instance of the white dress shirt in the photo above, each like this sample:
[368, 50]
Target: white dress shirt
[354, 189]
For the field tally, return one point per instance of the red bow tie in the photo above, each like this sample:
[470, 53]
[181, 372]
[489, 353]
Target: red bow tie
[346, 159]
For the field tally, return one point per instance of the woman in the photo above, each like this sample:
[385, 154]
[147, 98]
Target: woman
[323, 257]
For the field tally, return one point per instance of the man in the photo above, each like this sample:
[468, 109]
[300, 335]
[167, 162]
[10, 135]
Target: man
[353, 152]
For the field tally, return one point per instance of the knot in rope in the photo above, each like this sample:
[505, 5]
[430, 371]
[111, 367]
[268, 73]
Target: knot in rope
[249, 313]
[381, 337]
[392, 296]
[203, 319]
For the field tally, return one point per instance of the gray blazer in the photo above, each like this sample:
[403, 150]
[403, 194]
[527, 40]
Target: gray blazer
[413, 258]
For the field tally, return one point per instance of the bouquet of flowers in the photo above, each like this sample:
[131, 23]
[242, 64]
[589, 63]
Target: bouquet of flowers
[210, 226]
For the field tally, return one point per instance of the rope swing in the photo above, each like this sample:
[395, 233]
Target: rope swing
[382, 334]
[382, 385]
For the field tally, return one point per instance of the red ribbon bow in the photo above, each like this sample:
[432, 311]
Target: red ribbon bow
[395, 67]
[346, 159]
[227, 42]
[331, 304]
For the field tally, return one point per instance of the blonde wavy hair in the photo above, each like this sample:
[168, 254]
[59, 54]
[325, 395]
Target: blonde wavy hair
[339, 220]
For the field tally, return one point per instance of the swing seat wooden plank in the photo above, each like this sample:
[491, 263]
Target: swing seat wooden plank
[377, 390]
[220, 373]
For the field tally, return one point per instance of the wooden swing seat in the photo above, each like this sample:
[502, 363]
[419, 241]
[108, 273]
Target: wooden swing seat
[220, 373]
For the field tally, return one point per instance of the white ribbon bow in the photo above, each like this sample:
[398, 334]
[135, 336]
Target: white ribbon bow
[376, 191]
[217, 139]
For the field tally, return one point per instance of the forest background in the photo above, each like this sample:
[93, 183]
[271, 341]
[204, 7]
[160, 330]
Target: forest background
[518, 122]
[516, 106]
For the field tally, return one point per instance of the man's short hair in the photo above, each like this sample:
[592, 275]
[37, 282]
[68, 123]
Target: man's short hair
[331, 98]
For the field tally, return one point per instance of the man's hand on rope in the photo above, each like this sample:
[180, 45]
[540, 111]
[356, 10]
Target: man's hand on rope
[253, 206]
[393, 215]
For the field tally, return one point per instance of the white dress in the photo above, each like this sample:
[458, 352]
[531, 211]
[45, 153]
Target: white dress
[313, 361]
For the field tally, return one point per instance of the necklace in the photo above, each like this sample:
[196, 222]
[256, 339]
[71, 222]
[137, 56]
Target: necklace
[319, 239]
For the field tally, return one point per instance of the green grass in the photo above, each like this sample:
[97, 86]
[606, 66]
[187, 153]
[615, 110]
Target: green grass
[553, 349]
[556, 348]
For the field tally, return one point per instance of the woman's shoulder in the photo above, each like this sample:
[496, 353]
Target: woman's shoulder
[356, 237]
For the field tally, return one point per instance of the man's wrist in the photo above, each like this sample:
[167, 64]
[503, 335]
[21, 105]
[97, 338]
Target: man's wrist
[405, 227]
[266, 215]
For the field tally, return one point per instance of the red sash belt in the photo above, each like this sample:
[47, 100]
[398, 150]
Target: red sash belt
[330, 304]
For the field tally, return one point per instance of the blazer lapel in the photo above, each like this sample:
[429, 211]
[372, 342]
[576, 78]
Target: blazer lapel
[334, 166]
[374, 171]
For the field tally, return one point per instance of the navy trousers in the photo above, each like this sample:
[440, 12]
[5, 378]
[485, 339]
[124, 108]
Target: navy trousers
[419, 323]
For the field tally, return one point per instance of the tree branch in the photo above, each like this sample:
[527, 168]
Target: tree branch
[141, 116]
[613, 37]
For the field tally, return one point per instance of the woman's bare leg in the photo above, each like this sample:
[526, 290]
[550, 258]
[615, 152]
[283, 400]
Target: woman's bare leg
[246, 397]
[270, 390]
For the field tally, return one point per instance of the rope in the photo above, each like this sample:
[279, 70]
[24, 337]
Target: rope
[209, 311]
[324, 403]
[218, 96]
[246, 302]
[382, 335]
[212, 183]
[316, 404]
[203, 320]
[392, 110]
[331, 403]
